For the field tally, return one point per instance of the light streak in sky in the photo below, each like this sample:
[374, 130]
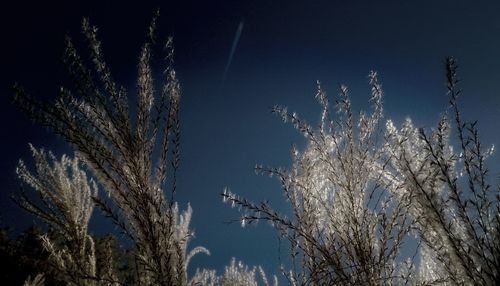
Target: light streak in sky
[233, 49]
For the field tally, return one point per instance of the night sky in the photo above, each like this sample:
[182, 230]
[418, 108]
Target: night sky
[227, 127]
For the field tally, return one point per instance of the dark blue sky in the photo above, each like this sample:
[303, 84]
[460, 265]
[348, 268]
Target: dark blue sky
[285, 46]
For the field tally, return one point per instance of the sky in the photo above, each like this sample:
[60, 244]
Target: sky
[237, 59]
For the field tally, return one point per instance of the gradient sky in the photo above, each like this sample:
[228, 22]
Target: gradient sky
[283, 48]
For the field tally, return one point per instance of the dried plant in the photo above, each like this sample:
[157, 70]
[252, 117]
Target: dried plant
[358, 191]
[348, 222]
[120, 150]
[457, 211]
[65, 204]
[236, 274]
[38, 280]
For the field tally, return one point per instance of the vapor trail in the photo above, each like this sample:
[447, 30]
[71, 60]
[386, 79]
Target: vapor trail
[233, 49]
